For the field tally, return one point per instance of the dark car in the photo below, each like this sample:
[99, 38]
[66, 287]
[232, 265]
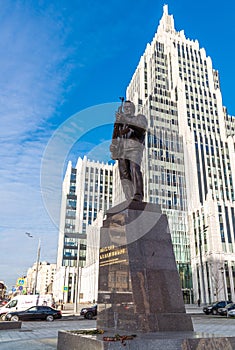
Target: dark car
[224, 310]
[213, 308]
[89, 312]
[34, 313]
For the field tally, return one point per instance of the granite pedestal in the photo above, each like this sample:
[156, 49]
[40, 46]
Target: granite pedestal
[139, 286]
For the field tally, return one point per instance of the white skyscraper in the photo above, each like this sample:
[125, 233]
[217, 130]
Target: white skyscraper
[87, 190]
[189, 166]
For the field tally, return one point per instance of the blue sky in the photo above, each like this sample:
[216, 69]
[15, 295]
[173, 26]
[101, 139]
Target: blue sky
[58, 59]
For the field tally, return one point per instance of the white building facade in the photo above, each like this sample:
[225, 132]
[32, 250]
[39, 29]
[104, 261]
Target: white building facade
[87, 190]
[90, 273]
[189, 163]
[45, 278]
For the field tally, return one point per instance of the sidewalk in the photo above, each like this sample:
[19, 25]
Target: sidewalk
[193, 309]
[69, 309]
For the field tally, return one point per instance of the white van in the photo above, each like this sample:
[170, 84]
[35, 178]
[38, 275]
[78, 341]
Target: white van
[23, 302]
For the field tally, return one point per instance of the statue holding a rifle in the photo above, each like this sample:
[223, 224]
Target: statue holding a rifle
[127, 147]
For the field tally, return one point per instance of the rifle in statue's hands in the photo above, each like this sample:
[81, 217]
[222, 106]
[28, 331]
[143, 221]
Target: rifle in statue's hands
[115, 147]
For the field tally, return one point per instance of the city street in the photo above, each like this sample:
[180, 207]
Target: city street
[43, 335]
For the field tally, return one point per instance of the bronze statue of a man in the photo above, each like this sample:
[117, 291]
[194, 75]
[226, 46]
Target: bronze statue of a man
[127, 147]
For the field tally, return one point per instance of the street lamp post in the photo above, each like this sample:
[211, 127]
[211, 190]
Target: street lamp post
[201, 263]
[223, 276]
[77, 274]
[37, 265]
[225, 294]
[37, 262]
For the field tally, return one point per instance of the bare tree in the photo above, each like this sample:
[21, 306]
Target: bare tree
[216, 278]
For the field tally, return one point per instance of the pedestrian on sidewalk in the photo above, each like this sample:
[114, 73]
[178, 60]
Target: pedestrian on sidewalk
[199, 302]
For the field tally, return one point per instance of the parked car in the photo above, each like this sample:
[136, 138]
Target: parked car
[89, 312]
[34, 313]
[24, 302]
[231, 313]
[213, 308]
[224, 310]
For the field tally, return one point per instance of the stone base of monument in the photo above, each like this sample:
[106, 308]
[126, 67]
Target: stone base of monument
[139, 285]
[146, 341]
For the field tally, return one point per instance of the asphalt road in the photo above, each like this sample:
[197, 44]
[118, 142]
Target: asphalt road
[43, 335]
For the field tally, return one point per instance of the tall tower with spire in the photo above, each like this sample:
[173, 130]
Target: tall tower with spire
[189, 164]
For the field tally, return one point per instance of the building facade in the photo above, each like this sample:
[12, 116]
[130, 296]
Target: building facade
[90, 273]
[45, 278]
[87, 190]
[189, 163]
